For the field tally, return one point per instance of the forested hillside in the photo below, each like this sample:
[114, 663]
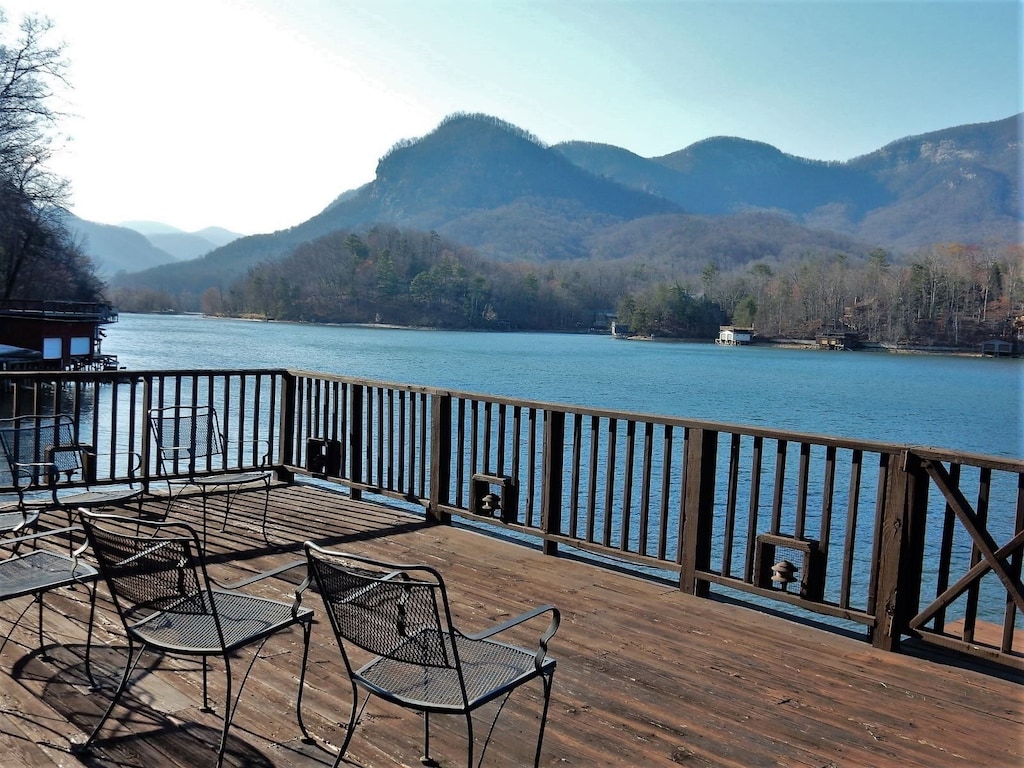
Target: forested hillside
[948, 295]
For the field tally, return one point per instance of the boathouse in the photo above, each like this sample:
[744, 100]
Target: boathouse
[734, 335]
[997, 348]
[55, 335]
[836, 338]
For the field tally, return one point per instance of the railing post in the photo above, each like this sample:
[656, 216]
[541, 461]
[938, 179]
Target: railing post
[698, 509]
[355, 441]
[286, 438]
[440, 457]
[551, 478]
[901, 550]
[145, 450]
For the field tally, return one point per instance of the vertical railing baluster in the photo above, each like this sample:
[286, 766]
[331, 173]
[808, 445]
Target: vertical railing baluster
[574, 475]
[645, 487]
[666, 491]
[592, 478]
[609, 483]
[753, 507]
[852, 514]
[731, 492]
[981, 510]
[802, 485]
[461, 459]
[778, 496]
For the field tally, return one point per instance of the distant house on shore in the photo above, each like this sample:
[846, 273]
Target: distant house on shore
[54, 335]
[734, 335]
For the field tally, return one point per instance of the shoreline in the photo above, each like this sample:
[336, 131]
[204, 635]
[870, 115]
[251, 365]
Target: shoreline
[895, 348]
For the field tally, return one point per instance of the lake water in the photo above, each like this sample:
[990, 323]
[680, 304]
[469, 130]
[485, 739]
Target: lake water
[963, 403]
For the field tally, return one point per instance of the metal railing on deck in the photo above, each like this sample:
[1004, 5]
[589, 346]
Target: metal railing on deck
[902, 541]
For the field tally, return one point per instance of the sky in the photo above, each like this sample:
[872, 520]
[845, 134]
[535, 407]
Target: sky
[253, 115]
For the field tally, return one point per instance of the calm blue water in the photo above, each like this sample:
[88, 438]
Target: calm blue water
[962, 403]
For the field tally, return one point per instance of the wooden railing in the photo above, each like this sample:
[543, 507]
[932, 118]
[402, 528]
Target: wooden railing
[903, 542]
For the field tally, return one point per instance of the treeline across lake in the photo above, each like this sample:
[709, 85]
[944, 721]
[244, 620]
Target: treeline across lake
[949, 294]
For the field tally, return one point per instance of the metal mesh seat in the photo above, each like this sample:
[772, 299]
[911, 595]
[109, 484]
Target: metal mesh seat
[168, 603]
[401, 615]
[37, 571]
[50, 469]
[192, 451]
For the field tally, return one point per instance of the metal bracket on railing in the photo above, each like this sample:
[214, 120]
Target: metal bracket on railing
[770, 573]
[483, 500]
[323, 457]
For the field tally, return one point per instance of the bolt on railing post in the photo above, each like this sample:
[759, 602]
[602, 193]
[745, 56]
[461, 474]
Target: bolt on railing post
[900, 550]
[440, 457]
[551, 478]
[701, 461]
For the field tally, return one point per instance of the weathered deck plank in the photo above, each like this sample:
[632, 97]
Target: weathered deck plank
[647, 675]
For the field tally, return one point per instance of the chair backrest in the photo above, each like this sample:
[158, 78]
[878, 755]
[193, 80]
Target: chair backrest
[41, 450]
[396, 611]
[150, 567]
[184, 435]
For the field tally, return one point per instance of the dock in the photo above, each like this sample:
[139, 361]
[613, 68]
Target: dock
[647, 674]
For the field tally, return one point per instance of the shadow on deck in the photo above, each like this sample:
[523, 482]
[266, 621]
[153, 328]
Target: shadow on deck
[646, 675]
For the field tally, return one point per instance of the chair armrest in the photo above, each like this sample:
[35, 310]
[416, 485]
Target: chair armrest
[9, 543]
[134, 462]
[260, 576]
[542, 646]
[261, 444]
[26, 469]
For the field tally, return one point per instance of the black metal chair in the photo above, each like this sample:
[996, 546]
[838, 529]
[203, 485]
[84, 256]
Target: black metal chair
[39, 571]
[51, 469]
[192, 451]
[400, 614]
[168, 603]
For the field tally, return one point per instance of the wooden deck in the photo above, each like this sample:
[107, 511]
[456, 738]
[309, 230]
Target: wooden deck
[646, 675]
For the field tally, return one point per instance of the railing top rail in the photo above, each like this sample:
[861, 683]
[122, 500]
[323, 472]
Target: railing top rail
[1002, 463]
[875, 446]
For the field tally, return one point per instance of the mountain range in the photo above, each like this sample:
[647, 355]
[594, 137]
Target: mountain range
[490, 185]
[138, 245]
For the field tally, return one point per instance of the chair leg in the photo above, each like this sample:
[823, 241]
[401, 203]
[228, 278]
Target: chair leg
[266, 505]
[351, 723]
[231, 704]
[469, 740]
[228, 709]
[306, 631]
[548, 680]
[38, 597]
[15, 623]
[129, 668]
[88, 637]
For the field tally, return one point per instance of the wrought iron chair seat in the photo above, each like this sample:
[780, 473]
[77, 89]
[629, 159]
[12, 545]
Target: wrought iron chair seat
[490, 669]
[243, 618]
[400, 615]
[168, 603]
[38, 571]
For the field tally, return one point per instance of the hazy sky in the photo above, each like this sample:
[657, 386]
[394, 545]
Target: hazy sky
[254, 115]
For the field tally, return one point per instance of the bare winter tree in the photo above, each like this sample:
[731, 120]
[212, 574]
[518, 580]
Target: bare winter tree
[38, 259]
